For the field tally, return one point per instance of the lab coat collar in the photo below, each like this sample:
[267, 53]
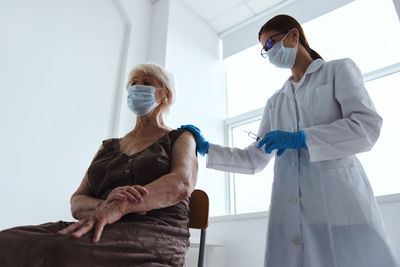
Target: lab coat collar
[314, 66]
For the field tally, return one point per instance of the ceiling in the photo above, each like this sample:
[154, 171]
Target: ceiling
[222, 15]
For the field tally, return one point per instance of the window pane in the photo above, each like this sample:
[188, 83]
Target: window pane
[251, 80]
[381, 163]
[371, 39]
[253, 192]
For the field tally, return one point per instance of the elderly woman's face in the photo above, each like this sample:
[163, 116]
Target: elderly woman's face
[141, 78]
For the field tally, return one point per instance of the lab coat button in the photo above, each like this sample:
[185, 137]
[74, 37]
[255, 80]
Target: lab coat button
[293, 164]
[294, 200]
[297, 240]
[130, 160]
[127, 171]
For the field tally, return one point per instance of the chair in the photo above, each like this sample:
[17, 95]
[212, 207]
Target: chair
[198, 219]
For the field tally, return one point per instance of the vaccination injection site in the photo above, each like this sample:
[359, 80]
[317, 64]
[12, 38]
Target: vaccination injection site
[184, 133]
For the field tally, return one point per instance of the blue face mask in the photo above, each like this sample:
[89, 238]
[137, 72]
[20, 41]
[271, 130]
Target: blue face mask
[281, 56]
[142, 99]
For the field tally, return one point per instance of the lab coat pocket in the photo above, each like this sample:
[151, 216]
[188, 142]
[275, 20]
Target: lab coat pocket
[348, 200]
[325, 107]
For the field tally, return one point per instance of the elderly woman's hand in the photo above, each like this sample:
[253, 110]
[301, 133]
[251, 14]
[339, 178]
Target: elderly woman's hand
[133, 193]
[106, 213]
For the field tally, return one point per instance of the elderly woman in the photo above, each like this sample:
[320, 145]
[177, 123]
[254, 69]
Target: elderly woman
[132, 204]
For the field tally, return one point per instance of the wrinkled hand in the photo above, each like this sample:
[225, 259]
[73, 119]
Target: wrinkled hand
[282, 140]
[133, 193]
[202, 144]
[106, 213]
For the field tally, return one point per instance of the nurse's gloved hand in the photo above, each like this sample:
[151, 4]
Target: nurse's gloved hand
[282, 140]
[202, 144]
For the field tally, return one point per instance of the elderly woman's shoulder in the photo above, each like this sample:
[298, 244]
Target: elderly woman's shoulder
[107, 144]
[186, 133]
[178, 134]
[184, 136]
[185, 142]
[110, 142]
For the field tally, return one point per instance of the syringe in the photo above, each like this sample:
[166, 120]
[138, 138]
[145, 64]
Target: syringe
[251, 134]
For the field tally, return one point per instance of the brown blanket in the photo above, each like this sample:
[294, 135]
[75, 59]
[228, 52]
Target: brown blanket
[159, 238]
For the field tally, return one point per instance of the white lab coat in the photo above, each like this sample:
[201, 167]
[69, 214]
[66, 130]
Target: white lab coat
[323, 212]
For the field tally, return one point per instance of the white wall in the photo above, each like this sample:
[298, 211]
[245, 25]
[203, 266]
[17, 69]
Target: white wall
[193, 57]
[63, 68]
[139, 15]
[159, 32]
[59, 73]
[245, 236]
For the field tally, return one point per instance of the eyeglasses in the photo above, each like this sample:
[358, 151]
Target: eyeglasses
[269, 44]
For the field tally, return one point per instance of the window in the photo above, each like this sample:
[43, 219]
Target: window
[371, 41]
[250, 192]
[251, 80]
[381, 164]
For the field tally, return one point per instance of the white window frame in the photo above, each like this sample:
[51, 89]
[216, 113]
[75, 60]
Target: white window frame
[231, 123]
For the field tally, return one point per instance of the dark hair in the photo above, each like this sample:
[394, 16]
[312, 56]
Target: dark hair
[283, 23]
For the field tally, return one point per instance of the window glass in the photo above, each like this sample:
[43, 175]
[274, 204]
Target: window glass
[253, 192]
[380, 164]
[251, 80]
[371, 39]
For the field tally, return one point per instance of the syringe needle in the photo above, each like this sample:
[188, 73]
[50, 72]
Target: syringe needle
[251, 134]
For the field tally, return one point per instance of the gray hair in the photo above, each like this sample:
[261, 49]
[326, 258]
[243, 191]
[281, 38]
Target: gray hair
[159, 73]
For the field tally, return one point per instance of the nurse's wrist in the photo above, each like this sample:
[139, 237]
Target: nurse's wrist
[302, 137]
[203, 148]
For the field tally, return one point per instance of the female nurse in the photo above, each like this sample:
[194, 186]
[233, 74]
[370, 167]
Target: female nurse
[323, 212]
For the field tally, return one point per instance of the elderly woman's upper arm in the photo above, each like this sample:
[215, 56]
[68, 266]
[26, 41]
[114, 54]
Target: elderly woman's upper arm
[184, 160]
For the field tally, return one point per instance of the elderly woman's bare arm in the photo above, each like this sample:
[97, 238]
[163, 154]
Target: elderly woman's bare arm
[82, 204]
[81, 201]
[175, 186]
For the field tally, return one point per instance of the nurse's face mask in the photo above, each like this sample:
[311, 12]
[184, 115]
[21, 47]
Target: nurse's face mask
[278, 54]
[142, 99]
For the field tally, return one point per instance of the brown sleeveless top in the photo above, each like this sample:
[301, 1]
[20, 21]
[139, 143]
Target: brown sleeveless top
[112, 168]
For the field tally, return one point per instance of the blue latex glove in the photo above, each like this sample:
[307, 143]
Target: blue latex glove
[202, 144]
[282, 140]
